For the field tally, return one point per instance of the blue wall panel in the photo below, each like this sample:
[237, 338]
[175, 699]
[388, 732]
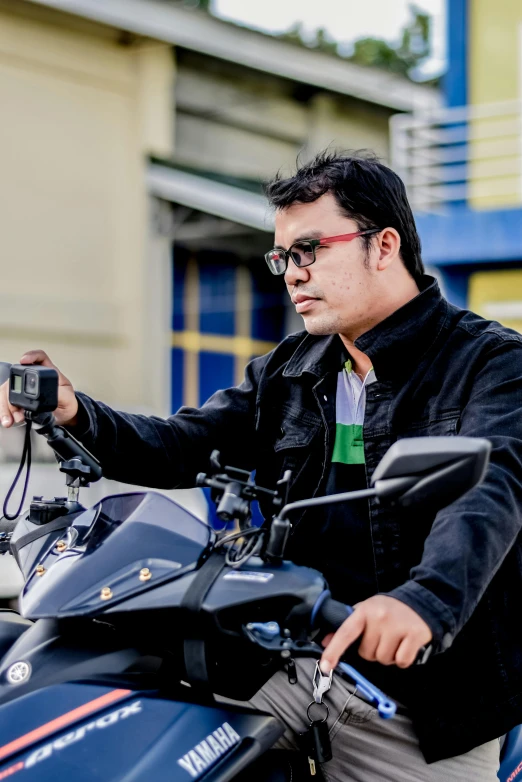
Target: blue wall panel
[463, 235]
[455, 282]
[180, 259]
[268, 312]
[176, 384]
[216, 370]
[217, 290]
[455, 81]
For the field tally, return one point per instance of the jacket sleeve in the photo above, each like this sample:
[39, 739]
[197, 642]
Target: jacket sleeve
[169, 453]
[470, 538]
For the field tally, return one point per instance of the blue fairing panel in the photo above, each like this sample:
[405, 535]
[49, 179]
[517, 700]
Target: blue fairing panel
[511, 765]
[89, 733]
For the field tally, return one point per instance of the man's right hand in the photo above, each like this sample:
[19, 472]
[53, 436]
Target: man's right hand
[67, 409]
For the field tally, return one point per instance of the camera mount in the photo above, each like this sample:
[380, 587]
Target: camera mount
[78, 464]
[233, 490]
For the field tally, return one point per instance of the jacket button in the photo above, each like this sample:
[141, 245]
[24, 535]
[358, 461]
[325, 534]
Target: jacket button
[282, 432]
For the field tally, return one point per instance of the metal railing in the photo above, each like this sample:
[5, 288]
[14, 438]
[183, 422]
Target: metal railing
[466, 154]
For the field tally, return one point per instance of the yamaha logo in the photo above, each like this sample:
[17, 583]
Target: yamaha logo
[18, 673]
[204, 754]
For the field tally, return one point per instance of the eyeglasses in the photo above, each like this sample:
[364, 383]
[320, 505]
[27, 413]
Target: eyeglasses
[303, 252]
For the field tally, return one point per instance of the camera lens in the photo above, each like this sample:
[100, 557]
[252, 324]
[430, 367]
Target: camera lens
[31, 384]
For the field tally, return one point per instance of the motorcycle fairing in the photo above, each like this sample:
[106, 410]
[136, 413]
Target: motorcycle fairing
[511, 756]
[133, 528]
[88, 732]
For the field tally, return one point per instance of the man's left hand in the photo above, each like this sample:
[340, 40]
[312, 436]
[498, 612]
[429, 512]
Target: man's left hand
[392, 633]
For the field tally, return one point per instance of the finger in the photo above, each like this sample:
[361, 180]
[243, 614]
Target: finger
[387, 648]
[18, 415]
[369, 643]
[6, 410]
[9, 414]
[36, 357]
[326, 640]
[348, 632]
[407, 652]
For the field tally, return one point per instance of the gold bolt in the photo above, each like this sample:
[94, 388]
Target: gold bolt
[106, 593]
[145, 574]
[40, 570]
[61, 546]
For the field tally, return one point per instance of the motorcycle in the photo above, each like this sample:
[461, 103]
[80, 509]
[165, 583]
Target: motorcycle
[135, 616]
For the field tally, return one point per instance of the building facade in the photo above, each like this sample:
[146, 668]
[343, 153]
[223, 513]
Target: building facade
[463, 163]
[135, 136]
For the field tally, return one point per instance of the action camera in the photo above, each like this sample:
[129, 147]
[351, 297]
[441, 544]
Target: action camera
[33, 388]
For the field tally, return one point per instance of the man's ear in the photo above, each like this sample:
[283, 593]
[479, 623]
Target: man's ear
[389, 248]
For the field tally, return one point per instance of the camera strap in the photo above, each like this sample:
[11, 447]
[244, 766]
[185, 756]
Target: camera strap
[26, 456]
[62, 522]
[194, 646]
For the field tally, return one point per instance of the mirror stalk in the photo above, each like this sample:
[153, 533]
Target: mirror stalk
[391, 487]
[330, 499]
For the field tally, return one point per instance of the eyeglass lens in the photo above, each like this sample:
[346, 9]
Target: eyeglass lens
[276, 260]
[302, 254]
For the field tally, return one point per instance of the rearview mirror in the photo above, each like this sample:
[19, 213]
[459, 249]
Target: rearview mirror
[430, 471]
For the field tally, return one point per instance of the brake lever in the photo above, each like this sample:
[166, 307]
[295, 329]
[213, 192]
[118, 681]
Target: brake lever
[384, 705]
[268, 636]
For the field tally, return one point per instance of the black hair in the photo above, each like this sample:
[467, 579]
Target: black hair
[366, 190]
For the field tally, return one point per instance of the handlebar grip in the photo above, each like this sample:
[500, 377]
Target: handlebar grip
[7, 527]
[329, 614]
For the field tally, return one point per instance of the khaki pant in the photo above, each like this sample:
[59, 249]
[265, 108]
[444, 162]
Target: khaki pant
[365, 747]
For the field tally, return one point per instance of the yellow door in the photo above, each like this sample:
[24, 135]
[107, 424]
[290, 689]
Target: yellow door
[497, 295]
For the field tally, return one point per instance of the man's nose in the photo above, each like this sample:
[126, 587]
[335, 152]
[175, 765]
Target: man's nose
[295, 274]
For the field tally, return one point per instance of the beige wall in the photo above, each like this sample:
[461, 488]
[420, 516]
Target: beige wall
[79, 110]
[85, 275]
[242, 124]
[494, 61]
[494, 50]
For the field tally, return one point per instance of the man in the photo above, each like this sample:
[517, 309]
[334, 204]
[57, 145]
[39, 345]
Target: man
[384, 356]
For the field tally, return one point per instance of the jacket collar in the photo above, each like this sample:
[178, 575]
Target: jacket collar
[397, 342]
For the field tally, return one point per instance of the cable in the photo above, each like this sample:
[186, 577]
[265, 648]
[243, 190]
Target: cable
[249, 547]
[237, 535]
[26, 455]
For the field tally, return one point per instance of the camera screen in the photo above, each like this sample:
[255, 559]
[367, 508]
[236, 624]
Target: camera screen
[16, 384]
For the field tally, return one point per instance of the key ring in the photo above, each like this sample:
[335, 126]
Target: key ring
[321, 683]
[319, 705]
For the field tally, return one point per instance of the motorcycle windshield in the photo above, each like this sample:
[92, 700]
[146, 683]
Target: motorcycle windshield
[123, 545]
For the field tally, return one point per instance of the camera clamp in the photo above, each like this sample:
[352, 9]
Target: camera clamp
[233, 490]
[79, 465]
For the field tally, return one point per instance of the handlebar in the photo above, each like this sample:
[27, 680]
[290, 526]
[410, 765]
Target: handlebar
[329, 614]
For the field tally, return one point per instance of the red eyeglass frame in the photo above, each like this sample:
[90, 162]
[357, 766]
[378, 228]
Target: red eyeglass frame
[317, 243]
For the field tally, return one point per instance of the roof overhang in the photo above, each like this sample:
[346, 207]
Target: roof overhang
[204, 33]
[214, 198]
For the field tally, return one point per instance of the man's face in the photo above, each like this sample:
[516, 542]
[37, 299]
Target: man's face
[338, 293]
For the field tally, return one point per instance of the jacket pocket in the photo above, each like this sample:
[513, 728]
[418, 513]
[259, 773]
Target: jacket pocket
[296, 431]
[444, 423]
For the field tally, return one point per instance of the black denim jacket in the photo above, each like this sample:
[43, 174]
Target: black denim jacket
[440, 371]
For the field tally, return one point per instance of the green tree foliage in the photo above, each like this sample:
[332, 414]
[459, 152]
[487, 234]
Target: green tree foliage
[403, 58]
[413, 48]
